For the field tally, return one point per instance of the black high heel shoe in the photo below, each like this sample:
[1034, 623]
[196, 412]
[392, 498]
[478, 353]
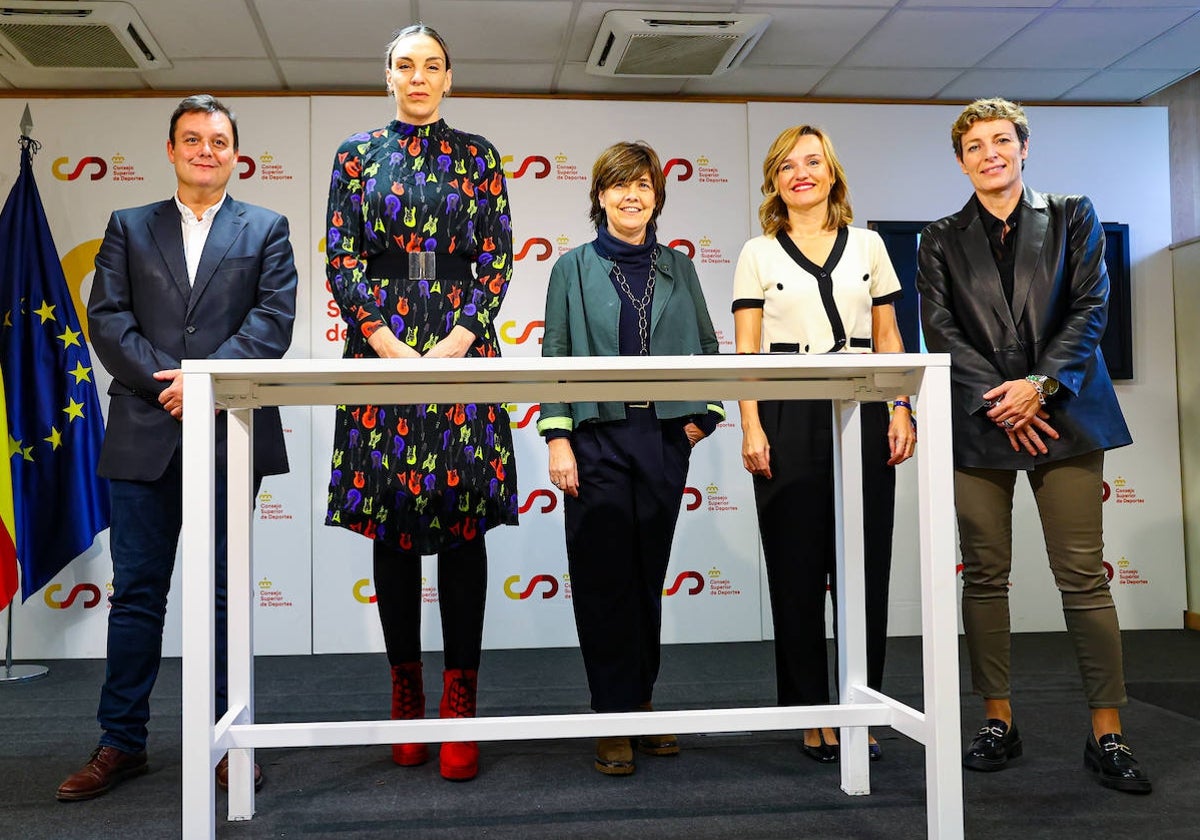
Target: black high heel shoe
[823, 753]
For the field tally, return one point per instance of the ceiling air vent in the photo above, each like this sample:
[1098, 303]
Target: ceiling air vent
[673, 43]
[78, 36]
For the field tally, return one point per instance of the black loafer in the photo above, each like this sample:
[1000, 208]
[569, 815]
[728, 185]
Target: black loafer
[996, 744]
[1114, 765]
[824, 752]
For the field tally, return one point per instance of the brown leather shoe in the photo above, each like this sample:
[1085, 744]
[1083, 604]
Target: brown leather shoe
[107, 767]
[614, 756]
[656, 744]
[223, 774]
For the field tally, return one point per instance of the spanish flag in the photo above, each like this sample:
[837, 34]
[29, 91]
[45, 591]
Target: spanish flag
[8, 534]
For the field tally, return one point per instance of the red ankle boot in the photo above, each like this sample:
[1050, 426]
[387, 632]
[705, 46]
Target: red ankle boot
[459, 760]
[408, 703]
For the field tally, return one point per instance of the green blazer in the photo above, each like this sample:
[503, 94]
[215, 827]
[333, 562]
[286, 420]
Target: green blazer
[583, 318]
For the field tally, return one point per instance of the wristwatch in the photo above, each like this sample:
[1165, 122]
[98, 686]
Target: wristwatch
[1046, 387]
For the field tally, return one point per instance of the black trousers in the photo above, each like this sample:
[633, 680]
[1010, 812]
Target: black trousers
[796, 522]
[619, 532]
[462, 593]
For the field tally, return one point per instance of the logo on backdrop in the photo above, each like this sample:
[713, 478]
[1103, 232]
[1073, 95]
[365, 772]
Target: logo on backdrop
[95, 168]
[539, 244]
[702, 170]
[509, 336]
[271, 596]
[526, 419]
[1127, 574]
[546, 585]
[88, 595]
[364, 591]
[268, 508]
[534, 165]
[564, 170]
[265, 168]
[692, 498]
[562, 243]
[1121, 492]
[718, 501]
[685, 245]
[548, 499]
[690, 583]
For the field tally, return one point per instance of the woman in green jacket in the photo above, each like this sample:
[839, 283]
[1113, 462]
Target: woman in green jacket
[622, 466]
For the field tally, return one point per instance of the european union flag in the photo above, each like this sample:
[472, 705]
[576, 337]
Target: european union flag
[54, 423]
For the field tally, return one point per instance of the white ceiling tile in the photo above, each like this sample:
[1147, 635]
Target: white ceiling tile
[1128, 4]
[574, 79]
[1174, 50]
[1091, 38]
[1123, 85]
[213, 29]
[758, 81]
[1018, 85]
[36, 78]
[938, 38]
[331, 30]
[509, 77]
[884, 83]
[334, 74]
[979, 4]
[528, 30]
[226, 74]
[587, 22]
[810, 37]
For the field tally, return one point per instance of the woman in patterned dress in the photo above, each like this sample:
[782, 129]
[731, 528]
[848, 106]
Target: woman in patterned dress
[419, 254]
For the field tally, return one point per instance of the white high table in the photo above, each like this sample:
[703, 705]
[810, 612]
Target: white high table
[847, 379]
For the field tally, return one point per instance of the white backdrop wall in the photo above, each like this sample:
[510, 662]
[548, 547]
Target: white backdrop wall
[314, 588]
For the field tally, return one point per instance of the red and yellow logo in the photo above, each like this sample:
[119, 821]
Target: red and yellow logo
[549, 501]
[543, 246]
[682, 164]
[98, 166]
[88, 592]
[537, 165]
[695, 588]
[548, 584]
[507, 328]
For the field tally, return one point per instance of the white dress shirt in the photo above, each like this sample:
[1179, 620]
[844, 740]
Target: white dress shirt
[195, 232]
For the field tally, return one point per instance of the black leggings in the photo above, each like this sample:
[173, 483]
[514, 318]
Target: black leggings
[462, 591]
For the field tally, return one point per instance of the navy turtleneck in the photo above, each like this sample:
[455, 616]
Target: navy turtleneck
[634, 262]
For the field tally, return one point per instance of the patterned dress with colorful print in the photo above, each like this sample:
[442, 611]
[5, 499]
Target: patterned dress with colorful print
[420, 477]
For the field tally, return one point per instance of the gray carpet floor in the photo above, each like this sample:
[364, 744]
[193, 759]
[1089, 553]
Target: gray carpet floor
[720, 786]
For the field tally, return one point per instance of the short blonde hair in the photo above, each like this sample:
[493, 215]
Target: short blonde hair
[619, 164]
[983, 110]
[772, 213]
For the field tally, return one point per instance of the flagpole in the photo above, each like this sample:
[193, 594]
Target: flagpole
[19, 673]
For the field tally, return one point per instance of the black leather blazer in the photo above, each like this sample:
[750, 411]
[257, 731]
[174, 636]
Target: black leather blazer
[1058, 314]
[145, 315]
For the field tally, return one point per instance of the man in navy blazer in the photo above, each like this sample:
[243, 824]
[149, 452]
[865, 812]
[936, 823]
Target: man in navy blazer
[1015, 289]
[199, 276]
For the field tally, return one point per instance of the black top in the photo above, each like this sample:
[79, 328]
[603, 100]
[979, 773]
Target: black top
[1002, 236]
[634, 264]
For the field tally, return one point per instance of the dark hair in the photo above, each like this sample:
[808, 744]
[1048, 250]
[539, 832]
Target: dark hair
[619, 164]
[208, 104]
[983, 110]
[414, 29]
[772, 213]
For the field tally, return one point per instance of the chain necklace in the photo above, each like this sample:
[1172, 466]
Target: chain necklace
[640, 305]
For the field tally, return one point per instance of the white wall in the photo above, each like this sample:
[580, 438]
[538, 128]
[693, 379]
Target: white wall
[314, 587]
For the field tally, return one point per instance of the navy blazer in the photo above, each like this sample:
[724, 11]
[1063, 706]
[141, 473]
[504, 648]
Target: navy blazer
[145, 316]
[1053, 327]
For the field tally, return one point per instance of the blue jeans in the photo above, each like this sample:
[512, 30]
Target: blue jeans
[146, 520]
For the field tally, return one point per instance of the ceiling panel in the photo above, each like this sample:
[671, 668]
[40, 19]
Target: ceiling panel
[531, 30]
[857, 83]
[186, 31]
[574, 79]
[811, 37]
[1084, 38]
[507, 77]
[36, 79]
[760, 81]
[334, 74]
[938, 38]
[227, 74]
[1174, 50]
[327, 30]
[1122, 85]
[1014, 84]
